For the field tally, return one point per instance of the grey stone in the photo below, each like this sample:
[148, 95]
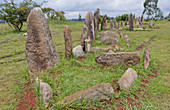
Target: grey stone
[68, 41]
[96, 20]
[125, 58]
[127, 79]
[146, 58]
[98, 49]
[151, 24]
[101, 91]
[104, 23]
[121, 24]
[89, 22]
[78, 51]
[87, 45]
[111, 24]
[115, 24]
[108, 34]
[131, 23]
[84, 35]
[110, 40]
[41, 53]
[46, 92]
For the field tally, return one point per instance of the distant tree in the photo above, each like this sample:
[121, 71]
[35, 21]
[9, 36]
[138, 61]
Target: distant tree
[79, 18]
[52, 14]
[159, 14]
[123, 17]
[15, 14]
[168, 17]
[151, 8]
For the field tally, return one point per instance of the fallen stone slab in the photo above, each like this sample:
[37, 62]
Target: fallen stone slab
[101, 91]
[110, 40]
[115, 47]
[146, 58]
[125, 58]
[127, 79]
[109, 34]
[98, 49]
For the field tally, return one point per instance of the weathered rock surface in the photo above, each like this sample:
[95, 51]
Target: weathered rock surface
[110, 40]
[96, 20]
[121, 24]
[151, 24]
[46, 92]
[108, 34]
[115, 24]
[131, 22]
[78, 51]
[146, 58]
[115, 47]
[110, 51]
[111, 24]
[68, 41]
[87, 45]
[84, 35]
[125, 58]
[104, 23]
[127, 79]
[98, 49]
[101, 91]
[89, 22]
[40, 49]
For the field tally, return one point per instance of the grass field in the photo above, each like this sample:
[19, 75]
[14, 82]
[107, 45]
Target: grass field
[70, 76]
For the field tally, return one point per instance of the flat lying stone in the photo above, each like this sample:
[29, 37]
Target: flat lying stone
[109, 34]
[110, 40]
[98, 49]
[127, 79]
[101, 91]
[146, 58]
[125, 58]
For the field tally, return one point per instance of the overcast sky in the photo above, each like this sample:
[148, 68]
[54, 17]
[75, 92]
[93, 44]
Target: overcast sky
[112, 8]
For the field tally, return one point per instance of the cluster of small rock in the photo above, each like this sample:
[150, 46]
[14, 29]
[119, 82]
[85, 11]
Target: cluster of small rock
[41, 54]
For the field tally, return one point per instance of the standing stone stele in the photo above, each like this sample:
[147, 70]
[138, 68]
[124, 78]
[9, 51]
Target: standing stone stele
[131, 23]
[68, 41]
[146, 58]
[104, 23]
[111, 24]
[84, 35]
[118, 25]
[121, 24]
[96, 20]
[41, 53]
[115, 24]
[89, 22]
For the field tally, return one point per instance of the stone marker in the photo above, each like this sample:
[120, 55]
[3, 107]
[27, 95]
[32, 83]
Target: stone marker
[111, 24]
[118, 25]
[125, 58]
[146, 58]
[125, 23]
[104, 23]
[41, 53]
[131, 23]
[115, 24]
[134, 16]
[98, 49]
[137, 22]
[151, 24]
[121, 24]
[109, 34]
[101, 91]
[78, 51]
[142, 19]
[127, 79]
[89, 22]
[110, 40]
[84, 35]
[46, 92]
[68, 41]
[87, 45]
[96, 20]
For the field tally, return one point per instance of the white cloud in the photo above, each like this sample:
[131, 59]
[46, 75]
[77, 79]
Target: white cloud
[109, 7]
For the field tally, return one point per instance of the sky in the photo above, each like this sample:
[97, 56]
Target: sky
[112, 8]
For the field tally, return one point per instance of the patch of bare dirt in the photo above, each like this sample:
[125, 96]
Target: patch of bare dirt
[28, 99]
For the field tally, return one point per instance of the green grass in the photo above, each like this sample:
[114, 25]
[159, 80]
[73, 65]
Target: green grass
[77, 76]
